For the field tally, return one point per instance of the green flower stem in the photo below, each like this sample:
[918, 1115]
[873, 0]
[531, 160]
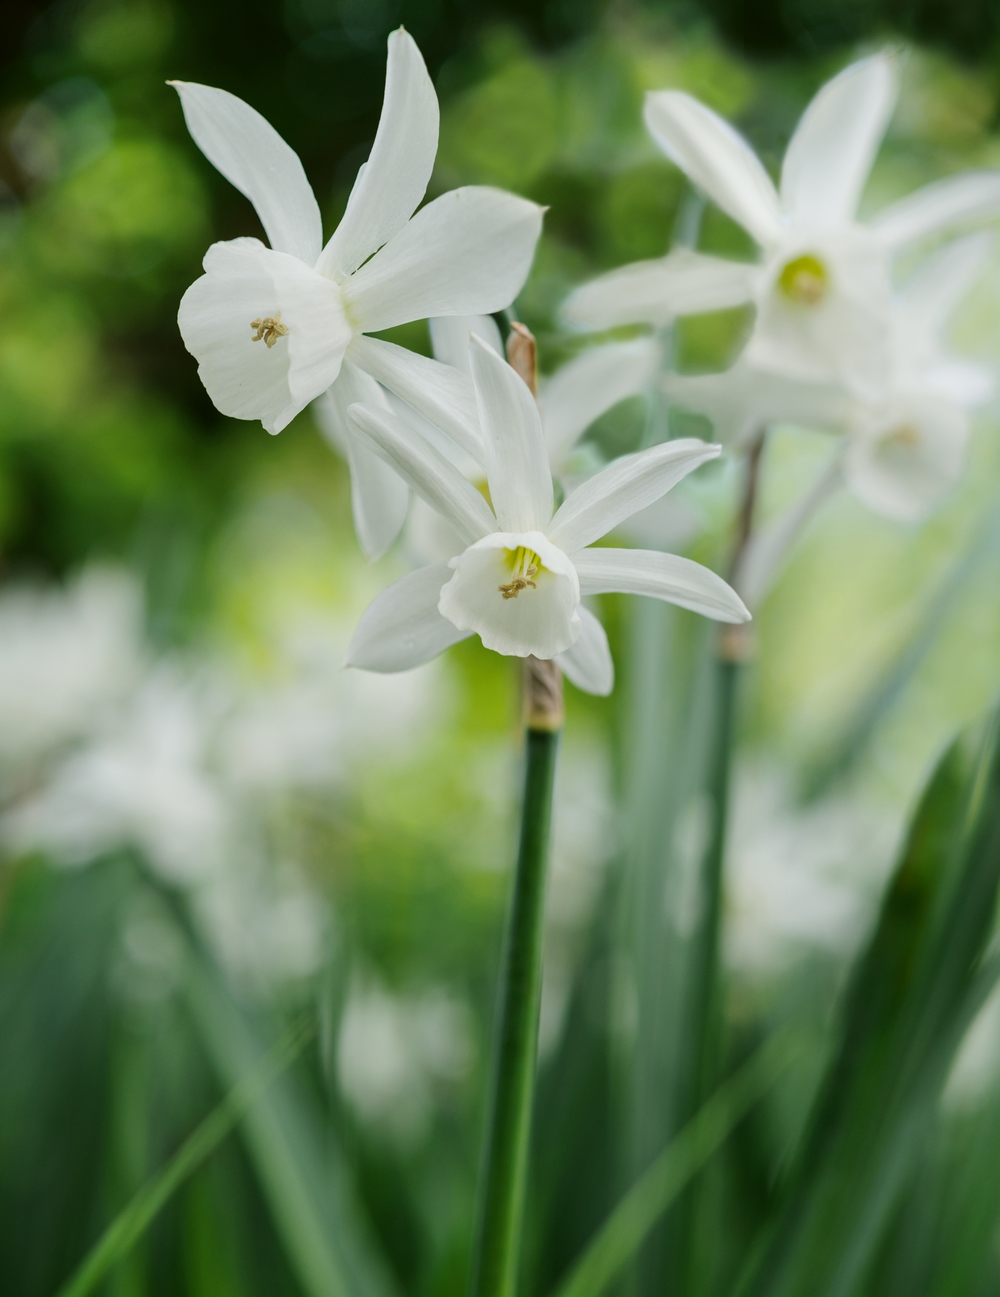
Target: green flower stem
[734, 646]
[704, 1008]
[505, 1160]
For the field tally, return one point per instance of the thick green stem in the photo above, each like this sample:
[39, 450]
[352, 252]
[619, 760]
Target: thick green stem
[505, 1160]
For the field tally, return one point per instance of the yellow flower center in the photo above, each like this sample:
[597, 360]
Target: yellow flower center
[269, 329]
[804, 280]
[524, 565]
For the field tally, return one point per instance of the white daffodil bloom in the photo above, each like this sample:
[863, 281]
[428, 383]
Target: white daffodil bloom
[905, 452]
[905, 456]
[822, 286]
[273, 328]
[518, 580]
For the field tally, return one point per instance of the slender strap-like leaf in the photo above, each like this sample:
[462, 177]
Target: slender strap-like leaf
[914, 991]
[628, 1225]
[138, 1214]
[296, 1159]
[295, 1154]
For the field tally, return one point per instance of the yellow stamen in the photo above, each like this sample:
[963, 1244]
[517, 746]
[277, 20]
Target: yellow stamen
[905, 435]
[524, 566]
[805, 280]
[269, 329]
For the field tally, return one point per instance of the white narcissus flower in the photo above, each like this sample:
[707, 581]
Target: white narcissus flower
[821, 288]
[518, 581]
[905, 456]
[275, 327]
[904, 452]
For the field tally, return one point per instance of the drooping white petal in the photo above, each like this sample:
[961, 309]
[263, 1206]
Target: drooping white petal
[402, 628]
[466, 253]
[831, 153]
[588, 662]
[591, 383]
[904, 466]
[716, 160]
[956, 200]
[250, 153]
[938, 286]
[844, 336]
[450, 335]
[962, 382]
[439, 393]
[432, 477]
[742, 400]
[543, 619]
[656, 292]
[517, 466]
[393, 181]
[245, 282]
[623, 488]
[379, 496]
[661, 576]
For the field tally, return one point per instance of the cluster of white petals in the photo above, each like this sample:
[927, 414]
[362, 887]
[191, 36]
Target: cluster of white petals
[187, 762]
[524, 565]
[572, 399]
[274, 328]
[834, 345]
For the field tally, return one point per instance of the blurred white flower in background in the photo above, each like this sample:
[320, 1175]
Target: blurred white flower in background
[800, 879]
[306, 723]
[186, 760]
[906, 454]
[397, 1053]
[904, 451]
[902, 454]
[189, 760]
[822, 288]
[264, 919]
[141, 780]
[66, 654]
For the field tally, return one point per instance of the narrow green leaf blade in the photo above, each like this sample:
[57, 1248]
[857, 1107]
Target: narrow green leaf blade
[629, 1224]
[136, 1217]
